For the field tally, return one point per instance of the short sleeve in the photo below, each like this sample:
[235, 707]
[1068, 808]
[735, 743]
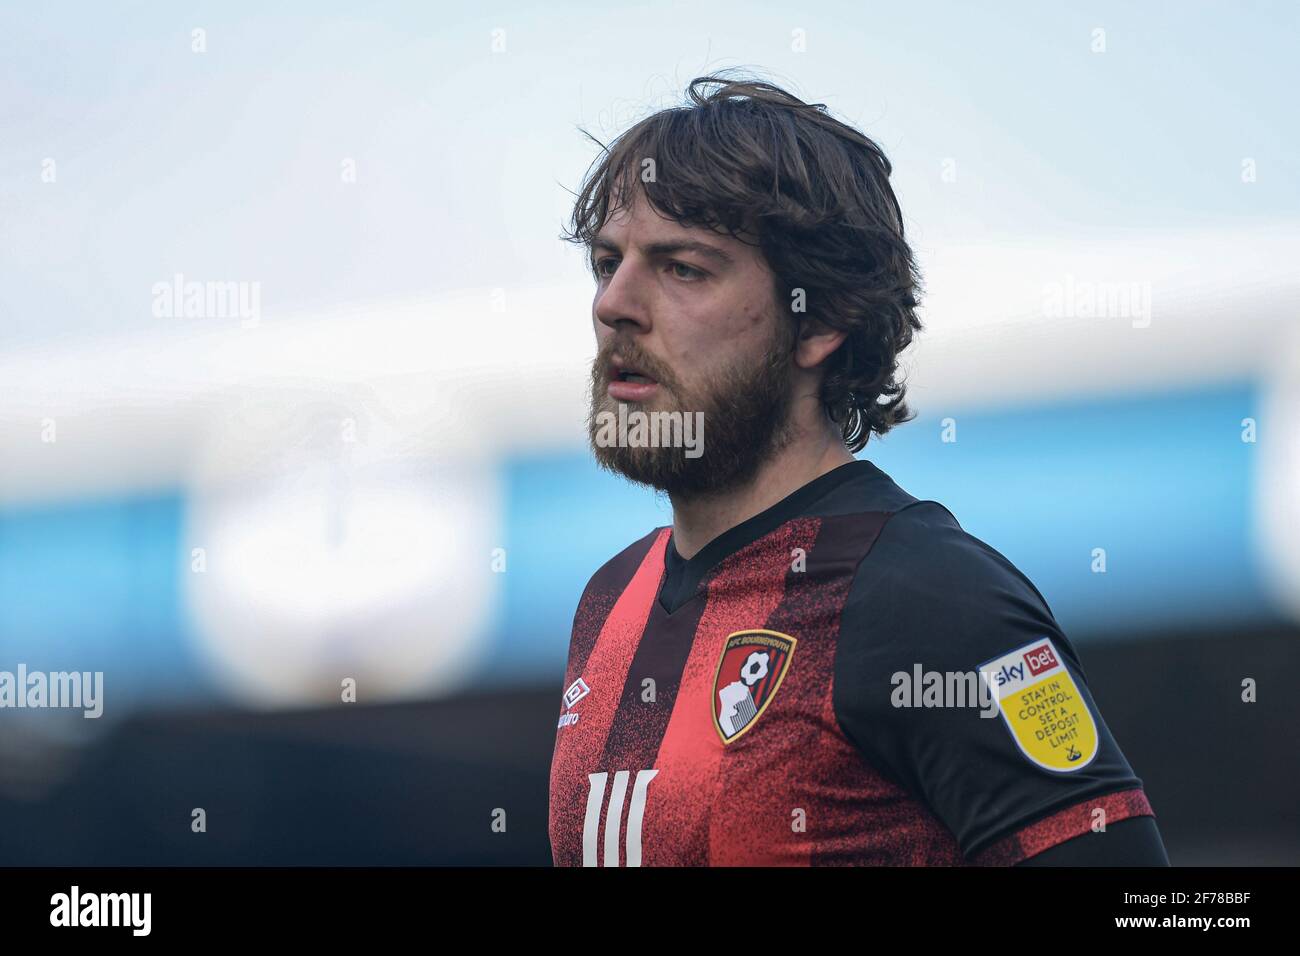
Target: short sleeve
[953, 679]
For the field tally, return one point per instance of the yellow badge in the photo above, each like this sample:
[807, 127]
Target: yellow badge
[1047, 715]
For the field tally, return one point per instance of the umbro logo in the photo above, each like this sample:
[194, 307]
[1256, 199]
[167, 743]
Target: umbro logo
[577, 690]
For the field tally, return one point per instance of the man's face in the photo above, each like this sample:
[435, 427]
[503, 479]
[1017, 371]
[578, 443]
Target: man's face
[686, 321]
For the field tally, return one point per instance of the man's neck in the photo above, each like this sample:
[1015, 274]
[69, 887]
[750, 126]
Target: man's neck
[699, 520]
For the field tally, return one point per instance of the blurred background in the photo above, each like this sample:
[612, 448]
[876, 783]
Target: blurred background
[293, 372]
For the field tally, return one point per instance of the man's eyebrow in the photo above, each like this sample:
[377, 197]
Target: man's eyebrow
[671, 247]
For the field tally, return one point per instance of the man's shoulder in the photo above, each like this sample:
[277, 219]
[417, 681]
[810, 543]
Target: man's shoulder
[924, 546]
[865, 488]
[618, 571]
[931, 583]
[919, 538]
[603, 589]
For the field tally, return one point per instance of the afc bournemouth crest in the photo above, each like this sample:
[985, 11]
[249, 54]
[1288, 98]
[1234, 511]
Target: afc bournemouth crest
[750, 670]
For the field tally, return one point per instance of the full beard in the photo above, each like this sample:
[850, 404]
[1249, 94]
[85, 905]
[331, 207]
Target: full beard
[746, 411]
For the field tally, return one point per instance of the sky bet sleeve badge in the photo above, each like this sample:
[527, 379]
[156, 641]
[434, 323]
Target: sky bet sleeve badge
[751, 668]
[1041, 704]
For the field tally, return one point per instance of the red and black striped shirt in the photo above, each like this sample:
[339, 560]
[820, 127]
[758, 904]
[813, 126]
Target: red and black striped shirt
[743, 707]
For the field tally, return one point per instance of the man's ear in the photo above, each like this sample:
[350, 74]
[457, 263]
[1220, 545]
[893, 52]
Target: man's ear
[815, 344]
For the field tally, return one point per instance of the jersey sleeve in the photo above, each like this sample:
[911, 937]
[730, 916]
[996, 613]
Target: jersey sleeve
[953, 679]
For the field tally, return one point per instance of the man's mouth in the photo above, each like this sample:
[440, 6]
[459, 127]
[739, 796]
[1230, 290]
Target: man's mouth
[628, 383]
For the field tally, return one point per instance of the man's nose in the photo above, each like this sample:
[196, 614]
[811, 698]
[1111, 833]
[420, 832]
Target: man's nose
[622, 301]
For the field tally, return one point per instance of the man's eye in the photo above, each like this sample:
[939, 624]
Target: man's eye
[598, 267]
[694, 273]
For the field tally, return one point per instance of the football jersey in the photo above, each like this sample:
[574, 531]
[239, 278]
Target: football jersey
[806, 690]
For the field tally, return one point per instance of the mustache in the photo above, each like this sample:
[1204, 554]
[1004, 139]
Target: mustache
[632, 355]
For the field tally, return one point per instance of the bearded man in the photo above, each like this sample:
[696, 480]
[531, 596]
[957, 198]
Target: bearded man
[810, 666]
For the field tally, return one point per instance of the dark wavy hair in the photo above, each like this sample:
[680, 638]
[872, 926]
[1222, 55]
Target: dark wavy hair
[751, 159]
